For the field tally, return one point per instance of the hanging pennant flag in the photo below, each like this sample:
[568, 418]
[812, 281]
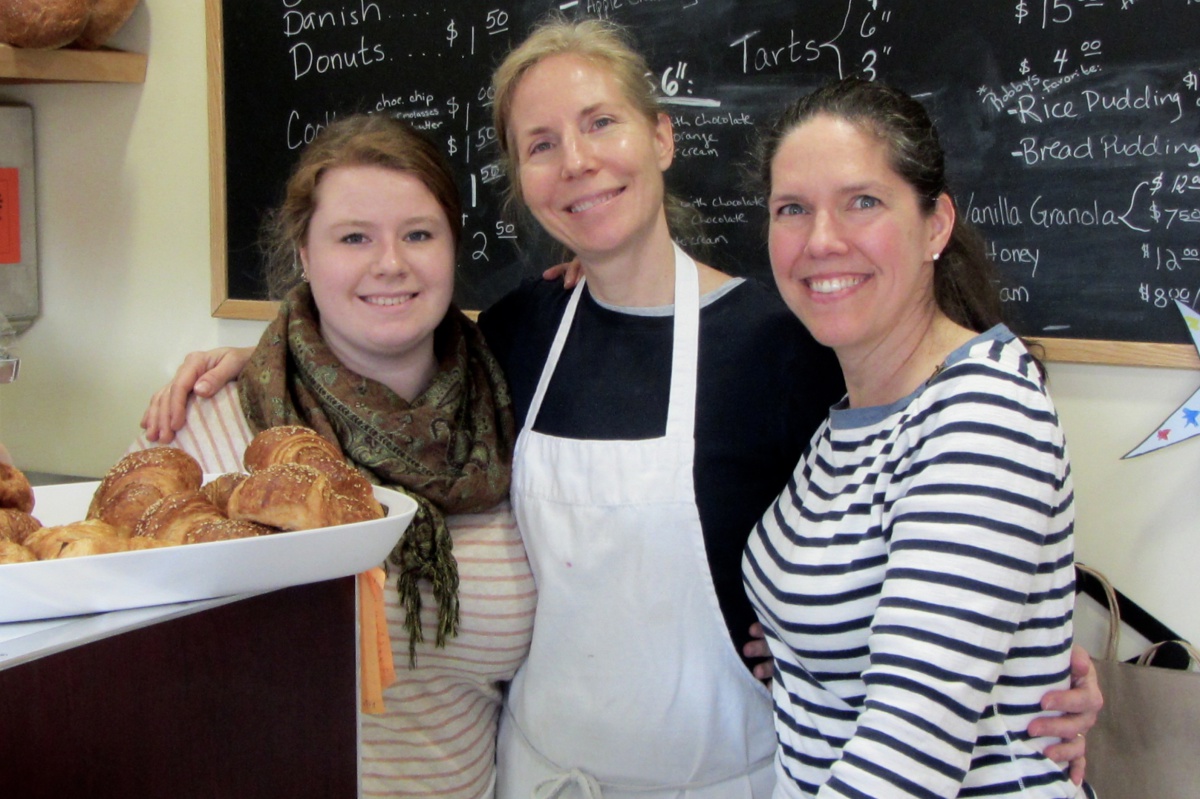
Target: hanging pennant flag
[1185, 421]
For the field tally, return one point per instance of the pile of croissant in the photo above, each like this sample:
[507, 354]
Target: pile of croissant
[294, 480]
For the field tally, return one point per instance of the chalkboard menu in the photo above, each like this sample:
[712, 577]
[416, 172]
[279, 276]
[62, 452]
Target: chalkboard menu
[1072, 129]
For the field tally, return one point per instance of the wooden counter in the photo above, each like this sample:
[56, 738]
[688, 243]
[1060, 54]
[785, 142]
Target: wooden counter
[253, 698]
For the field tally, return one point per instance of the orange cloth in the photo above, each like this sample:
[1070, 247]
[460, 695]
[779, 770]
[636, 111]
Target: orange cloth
[375, 646]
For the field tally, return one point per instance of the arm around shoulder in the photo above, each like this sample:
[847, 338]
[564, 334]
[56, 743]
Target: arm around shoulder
[214, 432]
[201, 373]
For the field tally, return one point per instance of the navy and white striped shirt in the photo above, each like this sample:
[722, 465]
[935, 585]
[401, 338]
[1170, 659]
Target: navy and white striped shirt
[916, 580]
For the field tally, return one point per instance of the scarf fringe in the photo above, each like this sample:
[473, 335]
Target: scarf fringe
[446, 592]
[437, 565]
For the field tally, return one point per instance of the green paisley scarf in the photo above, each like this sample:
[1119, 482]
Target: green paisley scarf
[450, 449]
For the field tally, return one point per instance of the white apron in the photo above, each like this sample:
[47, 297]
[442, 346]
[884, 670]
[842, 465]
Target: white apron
[632, 686]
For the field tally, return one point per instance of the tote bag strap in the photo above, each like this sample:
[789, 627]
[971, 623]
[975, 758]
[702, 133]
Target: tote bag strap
[1145, 658]
[1114, 610]
[1114, 625]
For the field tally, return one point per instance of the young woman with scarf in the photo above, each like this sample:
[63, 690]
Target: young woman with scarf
[368, 351]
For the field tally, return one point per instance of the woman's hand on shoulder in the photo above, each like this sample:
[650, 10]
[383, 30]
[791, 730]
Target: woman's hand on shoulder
[569, 272]
[203, 374]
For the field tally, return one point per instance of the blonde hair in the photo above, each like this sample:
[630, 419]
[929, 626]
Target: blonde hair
[607, 46]
[603, 43]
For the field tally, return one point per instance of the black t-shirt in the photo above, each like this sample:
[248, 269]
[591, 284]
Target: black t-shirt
[764, 386]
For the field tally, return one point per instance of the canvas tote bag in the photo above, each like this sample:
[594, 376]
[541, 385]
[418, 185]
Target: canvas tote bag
[1146, 743]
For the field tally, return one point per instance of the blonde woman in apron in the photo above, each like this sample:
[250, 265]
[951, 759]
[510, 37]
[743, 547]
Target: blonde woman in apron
[692, 723]
[612, 527]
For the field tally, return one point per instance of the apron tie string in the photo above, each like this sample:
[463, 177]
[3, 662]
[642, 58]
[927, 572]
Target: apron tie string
[557, 785]
[554, 787]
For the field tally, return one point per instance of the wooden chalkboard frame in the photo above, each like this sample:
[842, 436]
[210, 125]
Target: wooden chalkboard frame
[1119, 353]
[223, 306]
[1089, 351]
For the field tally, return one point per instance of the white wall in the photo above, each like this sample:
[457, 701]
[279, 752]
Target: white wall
[123, 233]
[122, 182]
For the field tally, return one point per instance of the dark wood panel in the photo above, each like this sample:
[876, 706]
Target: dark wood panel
[256, 698]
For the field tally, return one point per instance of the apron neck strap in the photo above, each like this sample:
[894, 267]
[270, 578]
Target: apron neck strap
[681, 409]
[681, 412]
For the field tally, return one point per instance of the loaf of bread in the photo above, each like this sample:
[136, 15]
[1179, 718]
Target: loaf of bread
[287, 496]
[348, 510]
[139, 480]
[124, 507]
[106, 18]
[78, 539]
[15, 491]
[288, 444]
[354, 490]
[303, 496]
[219, 488]
[225, 530]
[171, 518]
[12, 552]
[43, 24]
[16, 525]
[188, 517]
[301, 445]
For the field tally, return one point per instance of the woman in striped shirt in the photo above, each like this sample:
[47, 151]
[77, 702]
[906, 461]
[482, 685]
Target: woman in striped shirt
[915, 578]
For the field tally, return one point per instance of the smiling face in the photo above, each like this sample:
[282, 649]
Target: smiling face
[589, 163]
[851, 247]
[379, 256]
